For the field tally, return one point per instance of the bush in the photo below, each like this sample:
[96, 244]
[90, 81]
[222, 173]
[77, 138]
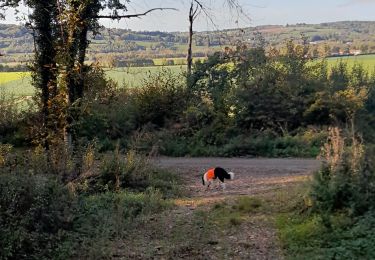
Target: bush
[35, 213]
[162, 97]
[103, 219]
[241, 145]
[131, 171]
[14, 114]
[305, 237]
[41, 219]
[346, 180]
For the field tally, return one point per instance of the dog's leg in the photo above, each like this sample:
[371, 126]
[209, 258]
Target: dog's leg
[223, 185]
[208, 185]
[218, 184]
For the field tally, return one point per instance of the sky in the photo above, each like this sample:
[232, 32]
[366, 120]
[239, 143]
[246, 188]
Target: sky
[258, 12]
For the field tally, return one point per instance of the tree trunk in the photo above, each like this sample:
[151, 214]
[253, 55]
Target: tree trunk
[190, 48]
[44, 74]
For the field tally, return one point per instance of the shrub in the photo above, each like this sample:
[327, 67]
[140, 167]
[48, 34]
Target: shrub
[64, 164]
[14, 113]
[105, 218]
[346, 179]
[304, 236]
[130, 171]
[118, 172]
[35, 212]
[162, 97]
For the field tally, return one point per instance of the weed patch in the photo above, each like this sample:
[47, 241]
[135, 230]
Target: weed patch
[303, 234]
[227, 214]
[305, 237]
[105, 218]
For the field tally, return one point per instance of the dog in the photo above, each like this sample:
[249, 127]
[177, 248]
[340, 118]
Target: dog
[216, 173]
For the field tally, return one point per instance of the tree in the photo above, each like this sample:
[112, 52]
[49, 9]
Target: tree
[195, 6]
[60, 29]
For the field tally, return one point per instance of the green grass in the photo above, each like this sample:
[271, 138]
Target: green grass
[133, 76]
[18, 83]
[368, 61]
[233, 214]
[303, 235]
[12, 76]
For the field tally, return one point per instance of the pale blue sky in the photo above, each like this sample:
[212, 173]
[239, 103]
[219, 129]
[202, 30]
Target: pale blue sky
[260, 11]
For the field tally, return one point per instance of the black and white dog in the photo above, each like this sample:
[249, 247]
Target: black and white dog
[216, 173]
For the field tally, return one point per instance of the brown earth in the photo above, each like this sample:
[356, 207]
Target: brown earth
[252, 176]
[181, 233]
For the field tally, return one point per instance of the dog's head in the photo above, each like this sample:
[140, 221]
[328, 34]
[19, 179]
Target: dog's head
[231, 174]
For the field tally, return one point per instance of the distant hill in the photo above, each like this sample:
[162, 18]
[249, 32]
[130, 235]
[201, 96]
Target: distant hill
[337, 37]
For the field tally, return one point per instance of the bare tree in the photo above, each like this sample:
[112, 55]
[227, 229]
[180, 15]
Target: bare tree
[195, 8]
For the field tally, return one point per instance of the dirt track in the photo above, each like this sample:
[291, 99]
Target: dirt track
[180, 233]
[253, 176]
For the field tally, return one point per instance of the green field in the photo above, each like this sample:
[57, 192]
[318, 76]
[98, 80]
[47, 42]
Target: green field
[18, 84]
[368, 61]
[133, 77]
[12, 76]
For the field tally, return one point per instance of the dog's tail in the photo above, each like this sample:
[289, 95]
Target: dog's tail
[231, 175]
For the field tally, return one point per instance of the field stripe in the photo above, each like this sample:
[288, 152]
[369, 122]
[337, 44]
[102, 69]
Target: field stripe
[12, 76]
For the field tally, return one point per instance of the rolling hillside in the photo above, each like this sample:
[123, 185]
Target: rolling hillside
[141, 48]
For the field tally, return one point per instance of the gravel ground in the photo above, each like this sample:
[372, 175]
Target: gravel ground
[252, 176]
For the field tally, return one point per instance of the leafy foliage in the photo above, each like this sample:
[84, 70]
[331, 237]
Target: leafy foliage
[346, 181]
[34, 216]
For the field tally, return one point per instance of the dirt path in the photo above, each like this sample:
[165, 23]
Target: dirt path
[207, 224]
[253, 176]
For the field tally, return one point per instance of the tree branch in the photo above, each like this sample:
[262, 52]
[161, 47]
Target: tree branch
[132, 15]
[234, 4]
[196, 12]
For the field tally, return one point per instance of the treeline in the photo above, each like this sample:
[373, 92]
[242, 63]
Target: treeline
[16, 68]
[243, 101]
[239, 102]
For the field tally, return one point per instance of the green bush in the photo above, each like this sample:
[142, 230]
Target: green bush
[130, 171]
[346, 179]
[41, 219]
[14, 116]
[305, 236]
[242, 145]
[162, 97]
[103, 219]
[35, 214]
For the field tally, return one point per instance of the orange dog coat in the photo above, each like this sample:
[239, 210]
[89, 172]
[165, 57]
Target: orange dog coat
[210, 174]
